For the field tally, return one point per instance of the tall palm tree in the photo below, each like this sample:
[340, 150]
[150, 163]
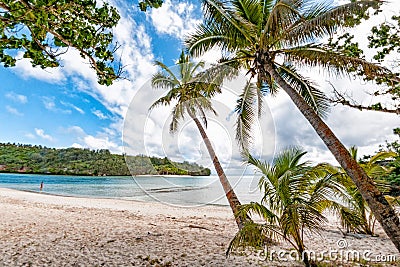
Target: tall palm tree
[270, 38]
[192, 90]
[294, 196]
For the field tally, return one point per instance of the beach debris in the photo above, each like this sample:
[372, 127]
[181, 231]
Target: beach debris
[198, 227]
[154, 234]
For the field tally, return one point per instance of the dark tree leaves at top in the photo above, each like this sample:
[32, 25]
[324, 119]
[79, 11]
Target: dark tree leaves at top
[44, 30]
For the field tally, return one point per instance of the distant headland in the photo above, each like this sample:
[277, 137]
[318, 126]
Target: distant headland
[36, 159]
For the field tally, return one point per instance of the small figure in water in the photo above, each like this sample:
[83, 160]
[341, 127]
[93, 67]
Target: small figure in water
[41, 186]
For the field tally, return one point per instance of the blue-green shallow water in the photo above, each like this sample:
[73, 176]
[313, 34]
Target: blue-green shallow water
[182, 190]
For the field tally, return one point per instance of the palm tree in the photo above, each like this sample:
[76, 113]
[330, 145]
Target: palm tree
[270, 38]
[295, 195]
[359, 217]
[192, 90]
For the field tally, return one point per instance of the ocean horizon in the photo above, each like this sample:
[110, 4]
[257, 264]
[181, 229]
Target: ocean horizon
[174, 190]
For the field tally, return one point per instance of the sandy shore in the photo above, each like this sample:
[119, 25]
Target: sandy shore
[46, 230]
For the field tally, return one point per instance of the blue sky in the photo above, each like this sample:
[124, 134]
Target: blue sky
[47, 107]
[65, 107]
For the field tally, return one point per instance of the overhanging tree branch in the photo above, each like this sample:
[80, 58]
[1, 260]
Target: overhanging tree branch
[346, 100]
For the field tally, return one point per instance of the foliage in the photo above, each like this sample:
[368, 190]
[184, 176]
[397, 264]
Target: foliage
[143, 5]
[394, 176]
[384, 39]
[294, 196]
[76, 161]
[359, 218]
[44, 30]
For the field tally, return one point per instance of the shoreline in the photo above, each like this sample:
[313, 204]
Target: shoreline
[88, 175]
[94, 198]
[117, 204]
[48, 230]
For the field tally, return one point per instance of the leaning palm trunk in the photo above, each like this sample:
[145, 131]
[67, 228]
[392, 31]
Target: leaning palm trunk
[234, 202]
[379, 206]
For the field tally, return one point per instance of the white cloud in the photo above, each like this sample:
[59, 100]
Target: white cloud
[66, 104]
[17, 97]
[76, 130]
[13, 111]
[99, 114]
[175, 18]
[76, 145]
[25, 70]
[49, 103]
[40, 133]
[100, 141]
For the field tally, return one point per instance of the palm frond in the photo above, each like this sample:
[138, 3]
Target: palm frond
[280, 18]
[255, 235]
[322, 19]
[177, 115]
[340, 65]
[248, 108]
[383, 155]
[160, 80]
[167, 99]
[201, 105]
[349, 218]
[168, 70]
[219, 28]
[257, 209]
[215, 10]
[312, 95]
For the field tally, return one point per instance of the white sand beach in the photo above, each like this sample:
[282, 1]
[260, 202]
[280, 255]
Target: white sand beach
[46, 230]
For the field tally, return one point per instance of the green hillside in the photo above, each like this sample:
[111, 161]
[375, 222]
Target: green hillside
[18, 158]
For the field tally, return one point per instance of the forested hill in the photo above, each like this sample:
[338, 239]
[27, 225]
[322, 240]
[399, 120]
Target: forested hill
[17, 158]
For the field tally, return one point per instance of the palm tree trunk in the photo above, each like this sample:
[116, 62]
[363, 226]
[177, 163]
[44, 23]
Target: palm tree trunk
[379, 206]
[304, 257]
[234, 202]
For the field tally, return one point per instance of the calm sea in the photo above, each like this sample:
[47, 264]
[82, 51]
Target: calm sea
[182, 190]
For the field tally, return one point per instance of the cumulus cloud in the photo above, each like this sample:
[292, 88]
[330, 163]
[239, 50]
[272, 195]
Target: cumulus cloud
[25, 70]
[175, 18]
[76, 145]
[17, 97]
[13, 111]
[41, 134]
[100, 141]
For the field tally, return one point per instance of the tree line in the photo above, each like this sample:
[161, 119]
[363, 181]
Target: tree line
[21, 158]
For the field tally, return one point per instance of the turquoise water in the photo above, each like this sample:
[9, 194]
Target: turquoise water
[182, 190]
